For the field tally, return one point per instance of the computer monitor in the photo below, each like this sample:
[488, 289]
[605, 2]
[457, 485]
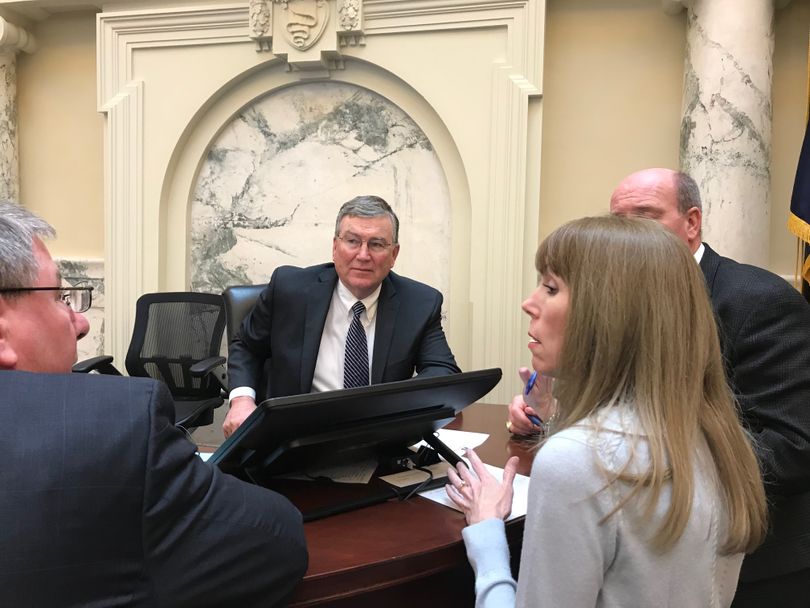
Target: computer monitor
[286, 433]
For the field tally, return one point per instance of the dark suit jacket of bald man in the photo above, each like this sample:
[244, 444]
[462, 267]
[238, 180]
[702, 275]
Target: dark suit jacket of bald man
[104, 502]
[282, 334]
[765, 335]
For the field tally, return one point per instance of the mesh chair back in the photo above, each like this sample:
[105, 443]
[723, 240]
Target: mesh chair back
[173, 331]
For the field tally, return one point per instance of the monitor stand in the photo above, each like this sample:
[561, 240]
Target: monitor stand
[317, 499]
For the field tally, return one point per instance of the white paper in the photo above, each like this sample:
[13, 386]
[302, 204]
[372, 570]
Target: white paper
[416, 476]
[519, 499]
[458, 441]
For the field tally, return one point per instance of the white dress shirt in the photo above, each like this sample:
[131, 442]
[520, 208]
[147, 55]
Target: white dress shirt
[332, 351]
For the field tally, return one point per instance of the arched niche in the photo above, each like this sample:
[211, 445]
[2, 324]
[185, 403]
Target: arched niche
[210, 241]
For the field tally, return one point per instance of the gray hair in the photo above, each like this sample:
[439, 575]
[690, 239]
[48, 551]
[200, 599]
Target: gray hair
[688, 193]
[18, 227]
[368, 206]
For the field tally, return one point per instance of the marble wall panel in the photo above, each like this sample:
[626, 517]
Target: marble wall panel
[90, 273]
[9, 166]
[269, 190]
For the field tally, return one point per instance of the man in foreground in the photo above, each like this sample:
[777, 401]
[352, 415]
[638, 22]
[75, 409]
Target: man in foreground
[349, 323]
[104, 501]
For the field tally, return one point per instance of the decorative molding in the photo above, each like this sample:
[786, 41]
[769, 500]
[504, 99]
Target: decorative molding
[261, 24]
[673, 7]
[124, 223]
[508, 213]
[350, 23]
[304, 21]
[131, 264]
[118, 34]
[350, 15]
[14, 38]
[496, 191]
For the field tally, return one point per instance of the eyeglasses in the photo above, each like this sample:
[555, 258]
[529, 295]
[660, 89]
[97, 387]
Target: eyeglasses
[354, 243]
[78, 299]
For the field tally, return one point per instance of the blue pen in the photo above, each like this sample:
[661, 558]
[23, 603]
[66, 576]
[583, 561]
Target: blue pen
[529, 385]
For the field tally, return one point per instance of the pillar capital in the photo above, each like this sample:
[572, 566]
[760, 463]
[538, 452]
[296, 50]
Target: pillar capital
[673, 7]
[14, 38]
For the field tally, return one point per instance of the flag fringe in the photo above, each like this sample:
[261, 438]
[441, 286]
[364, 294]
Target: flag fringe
[799, 227]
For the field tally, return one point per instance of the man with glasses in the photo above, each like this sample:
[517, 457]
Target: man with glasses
[339, 325]
[103, 500]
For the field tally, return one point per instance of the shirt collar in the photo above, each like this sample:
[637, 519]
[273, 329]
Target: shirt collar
[699, 253]
[347, 300]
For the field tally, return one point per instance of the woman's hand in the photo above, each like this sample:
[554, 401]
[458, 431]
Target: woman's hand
[477, 493]
[539, 402]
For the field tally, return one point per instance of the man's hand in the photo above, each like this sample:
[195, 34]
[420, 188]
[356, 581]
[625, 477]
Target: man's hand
[480, 496]
[539, 402]
[240, 409]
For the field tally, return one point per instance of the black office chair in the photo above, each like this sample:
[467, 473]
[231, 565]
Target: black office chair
[177, 339]
[239, 299]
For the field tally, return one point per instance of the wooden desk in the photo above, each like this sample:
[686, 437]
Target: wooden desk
[405, 553]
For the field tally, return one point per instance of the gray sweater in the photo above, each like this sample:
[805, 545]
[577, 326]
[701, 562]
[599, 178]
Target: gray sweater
[572, 558]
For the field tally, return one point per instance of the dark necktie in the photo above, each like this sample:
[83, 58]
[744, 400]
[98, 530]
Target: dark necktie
[355, 367]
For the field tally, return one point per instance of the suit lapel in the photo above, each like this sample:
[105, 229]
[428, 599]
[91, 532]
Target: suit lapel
[709, 264]
[317, 298]
[387, 308]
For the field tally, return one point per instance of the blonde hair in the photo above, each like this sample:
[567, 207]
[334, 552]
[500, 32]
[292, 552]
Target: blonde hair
[641, 331]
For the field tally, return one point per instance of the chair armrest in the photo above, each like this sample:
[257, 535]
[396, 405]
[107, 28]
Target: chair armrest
[214, 366]
[205, 366]
[102, 364]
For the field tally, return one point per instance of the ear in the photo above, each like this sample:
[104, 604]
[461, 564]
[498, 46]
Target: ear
[694, 220]
[394, 254]
[334, 247]
[8, 356]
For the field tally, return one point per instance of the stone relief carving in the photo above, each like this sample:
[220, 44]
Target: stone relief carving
[349, 12]
[306, 21]
[303, 23]
[260, 21]
[350, 23]
[260, 18]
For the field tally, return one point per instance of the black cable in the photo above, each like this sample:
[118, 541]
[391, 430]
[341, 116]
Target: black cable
[422, 485]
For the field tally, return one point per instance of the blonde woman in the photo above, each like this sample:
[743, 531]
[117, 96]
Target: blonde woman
[646, 491]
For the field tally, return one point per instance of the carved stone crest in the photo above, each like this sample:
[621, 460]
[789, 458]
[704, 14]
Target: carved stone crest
[304, 21]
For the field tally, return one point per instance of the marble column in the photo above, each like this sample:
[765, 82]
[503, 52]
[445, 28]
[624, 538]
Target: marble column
[12, 40]
[726, 120]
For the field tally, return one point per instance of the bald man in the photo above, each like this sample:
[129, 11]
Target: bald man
[764, 329]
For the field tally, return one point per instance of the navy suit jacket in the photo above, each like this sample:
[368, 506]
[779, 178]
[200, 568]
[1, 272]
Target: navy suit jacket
[765, 335]
[281, 335]
[103, 502]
